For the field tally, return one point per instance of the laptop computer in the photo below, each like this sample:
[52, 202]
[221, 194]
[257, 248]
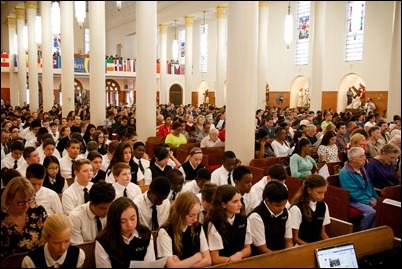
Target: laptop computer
[337, 256]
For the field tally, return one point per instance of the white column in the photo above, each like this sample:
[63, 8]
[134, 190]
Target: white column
[163, 59]
[221, 65]
[189, 60]
[22, 69]
[47, 58]
[318, 44]
[262, 70]
[67, 56]
[97, 83]
[394, 94]
[14, 101]
[241, 83]
[146, 58]
[31, 9]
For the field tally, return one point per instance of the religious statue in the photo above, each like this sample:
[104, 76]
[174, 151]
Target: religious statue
[206, 97]
[306, 98]
[349, 96]
[266, 92]
[300, 98]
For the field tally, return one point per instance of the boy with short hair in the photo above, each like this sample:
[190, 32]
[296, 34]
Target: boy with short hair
[270, 220]
[123, 185]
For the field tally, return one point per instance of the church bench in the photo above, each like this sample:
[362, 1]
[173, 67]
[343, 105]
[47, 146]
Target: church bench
[366, 242]
[389, 213]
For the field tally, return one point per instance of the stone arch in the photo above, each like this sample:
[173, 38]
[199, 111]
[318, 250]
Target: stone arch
[112, 89]
[349, 80]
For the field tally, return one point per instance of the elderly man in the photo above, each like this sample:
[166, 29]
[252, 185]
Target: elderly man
[354, 178]
[212, 140]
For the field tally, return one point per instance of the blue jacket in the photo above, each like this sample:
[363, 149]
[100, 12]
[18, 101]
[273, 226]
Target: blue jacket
[352, 181]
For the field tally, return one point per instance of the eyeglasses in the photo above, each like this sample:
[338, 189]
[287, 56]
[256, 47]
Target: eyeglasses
[22, 203]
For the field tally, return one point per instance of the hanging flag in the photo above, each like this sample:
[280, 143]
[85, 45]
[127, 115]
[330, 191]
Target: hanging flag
[5, 61]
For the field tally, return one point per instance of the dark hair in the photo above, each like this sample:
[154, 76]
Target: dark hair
[217, 213]
[17, 145]
[299, 145]
[302, 197]
[327, 136]
[275, 191]
[26, 153]
[208, 191]
[111, 234]
[277, 171]
[36, 170]
[203, 173]
[240, 171]
[138, 144]
[228, 155]
[102, 192]
[160, 185]
[7, 174]
[93, 154]
[160, 154]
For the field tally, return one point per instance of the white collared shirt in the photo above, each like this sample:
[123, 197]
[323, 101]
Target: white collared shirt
[102, 258]
[84, 224]
[65, 166]
[74, 196]
[258, 227]
[133, 190]
[28, 263]
[50, 200]
[215, 239]
[297, 215]
[164, 242]
[145, 210]
[191, 186]
[220, 176]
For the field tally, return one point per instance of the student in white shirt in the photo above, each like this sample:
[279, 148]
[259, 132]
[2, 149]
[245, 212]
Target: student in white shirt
[181, 238]
[73, 154]
[56, 229]
[123, 185]
[31, 155]
[176, 182]
[85, 218]
[223, 175]
[45, 197]
[76, 192]
[275, 172]
[154, 197]
[14, 159]
[124, 238]
[195, 186]
[243, 179]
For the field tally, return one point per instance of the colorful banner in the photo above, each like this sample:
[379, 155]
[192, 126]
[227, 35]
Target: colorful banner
[81, 65]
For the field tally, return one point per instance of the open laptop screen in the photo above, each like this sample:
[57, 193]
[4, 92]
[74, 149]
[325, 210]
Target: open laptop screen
[337, 256]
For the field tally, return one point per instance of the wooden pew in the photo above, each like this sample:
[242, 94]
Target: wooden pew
[258, 173]
[214, 157]
[393, 192]
[294, 184]
[89, 249]
[338, 227]
[151, 144]
[183, 151]
[14, 260]
[389, 214]
[366, 242]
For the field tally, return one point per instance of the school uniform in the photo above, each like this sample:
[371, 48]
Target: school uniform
[191, 186]
[74, 257]
[220, 176]
[134, 248]
[74, 196]
[58, 184]
[132, 190]
[49, 199]
[189, 171]
[191, 244]
[310, 231]
[239, 236]
[154, 170]
[268, 228]
[145, 210]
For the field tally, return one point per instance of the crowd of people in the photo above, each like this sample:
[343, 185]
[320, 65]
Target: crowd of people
[199, 217]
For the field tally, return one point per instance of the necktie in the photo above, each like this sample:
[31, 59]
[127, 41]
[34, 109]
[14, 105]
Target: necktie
[98, 223]
[173, 196]
[155, 224]
[86, 195]
[140, 165]
[125, 192]
[72, 168]
[229, 180]
[15, 164]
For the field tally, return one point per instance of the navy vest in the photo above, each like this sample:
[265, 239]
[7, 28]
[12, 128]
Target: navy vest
[233, 238]
[38, 257]
[310, 231]
[191, 243]
[190, 172]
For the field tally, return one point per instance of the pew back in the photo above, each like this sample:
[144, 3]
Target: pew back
[366, 242]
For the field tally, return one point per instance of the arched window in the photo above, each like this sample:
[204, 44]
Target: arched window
[112, 92]
[354, 30]
[303, 32]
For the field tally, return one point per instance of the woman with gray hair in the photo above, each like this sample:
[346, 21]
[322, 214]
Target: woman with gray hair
[354, 178]
[380, 168]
